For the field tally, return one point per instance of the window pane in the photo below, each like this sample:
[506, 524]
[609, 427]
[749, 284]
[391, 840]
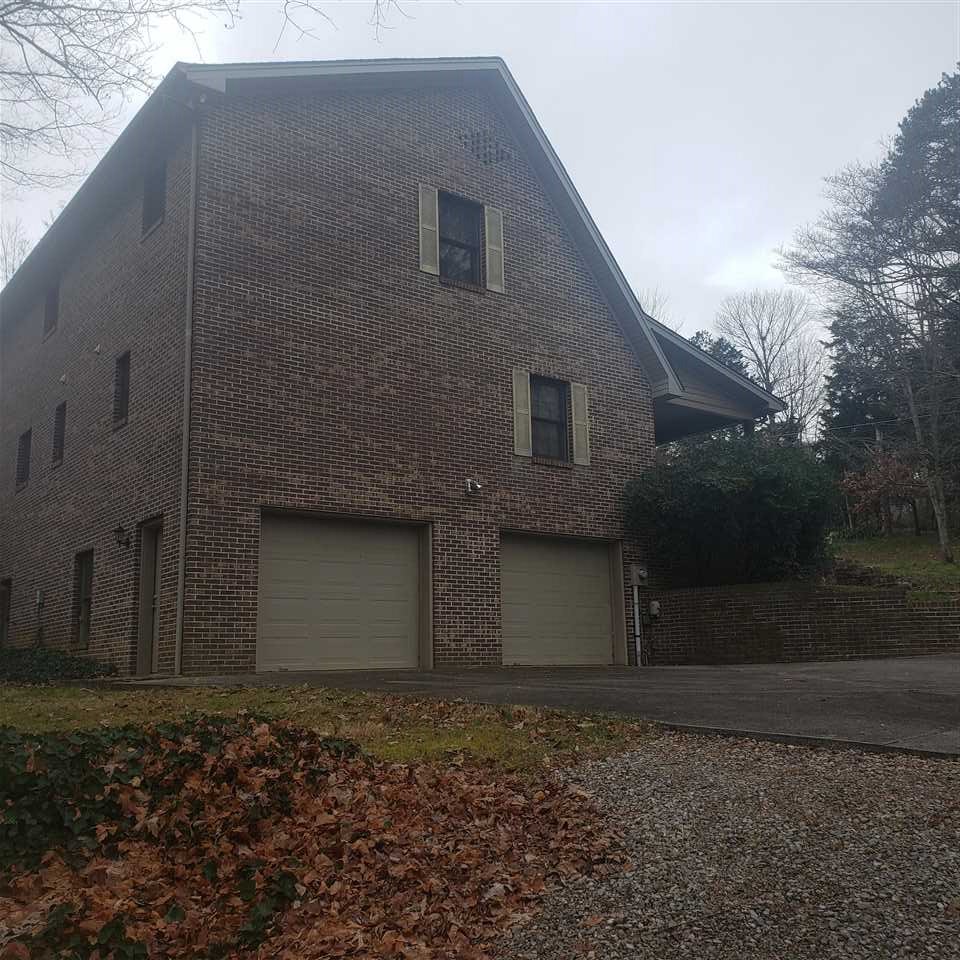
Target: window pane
[547, 399]
[460, 220]
[548, 440]
[459, 263]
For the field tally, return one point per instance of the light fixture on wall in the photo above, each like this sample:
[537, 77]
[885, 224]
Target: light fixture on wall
[473, 486]
[121, 536]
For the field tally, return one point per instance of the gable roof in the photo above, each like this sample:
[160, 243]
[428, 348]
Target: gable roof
[663, 354]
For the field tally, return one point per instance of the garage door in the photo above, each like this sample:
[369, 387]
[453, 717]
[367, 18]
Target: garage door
[337, 595]
[556, 601]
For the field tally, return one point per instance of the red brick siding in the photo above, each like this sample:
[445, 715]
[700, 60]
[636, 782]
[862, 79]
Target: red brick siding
[331, 375]
[772, 623]
[121, 294]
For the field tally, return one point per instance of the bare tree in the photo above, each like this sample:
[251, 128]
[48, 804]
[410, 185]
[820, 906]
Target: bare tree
[656, 303]
[14, 247]
[67, 67]
[775, 330]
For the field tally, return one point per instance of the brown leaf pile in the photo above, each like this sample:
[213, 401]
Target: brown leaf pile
[272, 847]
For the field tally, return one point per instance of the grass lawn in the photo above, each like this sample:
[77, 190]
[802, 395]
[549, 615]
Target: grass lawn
[388, 727]
[916, 559]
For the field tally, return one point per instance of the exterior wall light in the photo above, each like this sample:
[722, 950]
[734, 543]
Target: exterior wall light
[121, 536]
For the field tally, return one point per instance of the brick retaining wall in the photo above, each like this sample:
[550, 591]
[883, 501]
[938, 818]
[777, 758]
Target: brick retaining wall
[777, 622]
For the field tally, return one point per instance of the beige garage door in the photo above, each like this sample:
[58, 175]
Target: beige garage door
[337, 595]
[556, 601]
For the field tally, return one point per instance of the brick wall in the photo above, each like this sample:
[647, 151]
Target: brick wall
[780, 622]
[118, 292]
[331, 375]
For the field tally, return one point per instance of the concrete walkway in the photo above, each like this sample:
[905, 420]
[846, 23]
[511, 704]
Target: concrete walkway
[908, 702]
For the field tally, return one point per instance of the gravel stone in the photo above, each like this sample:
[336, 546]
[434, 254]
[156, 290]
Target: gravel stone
[748, 850]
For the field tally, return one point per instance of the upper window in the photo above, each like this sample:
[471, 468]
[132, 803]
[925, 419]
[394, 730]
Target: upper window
[461, 236]
[59, 432]
[121, 390]
[154, 195]
[51, 309]
[549, 417]
[23, 458]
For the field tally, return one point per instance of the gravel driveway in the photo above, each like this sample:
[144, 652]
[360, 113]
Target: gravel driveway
[756, 850]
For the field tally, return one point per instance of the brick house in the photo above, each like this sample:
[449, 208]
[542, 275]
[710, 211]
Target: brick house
[326, 365]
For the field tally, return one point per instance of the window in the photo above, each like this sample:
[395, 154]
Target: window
[121, 390]
[83, 597]
[154, 195]
[59, 432]
[460, 238]
[51, 310]
[549, 416]
[6, 589]
[23, 458]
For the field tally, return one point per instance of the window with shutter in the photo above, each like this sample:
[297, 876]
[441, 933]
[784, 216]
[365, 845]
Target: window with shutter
[551, 418]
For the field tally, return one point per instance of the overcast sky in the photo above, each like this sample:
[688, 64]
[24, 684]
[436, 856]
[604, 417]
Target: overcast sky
[697, 133]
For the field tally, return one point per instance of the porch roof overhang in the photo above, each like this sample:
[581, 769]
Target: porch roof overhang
[711, 395]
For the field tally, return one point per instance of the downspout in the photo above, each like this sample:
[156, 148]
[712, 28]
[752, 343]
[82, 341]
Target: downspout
[187, 385]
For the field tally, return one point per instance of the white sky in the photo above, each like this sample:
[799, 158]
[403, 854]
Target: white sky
[697, 133]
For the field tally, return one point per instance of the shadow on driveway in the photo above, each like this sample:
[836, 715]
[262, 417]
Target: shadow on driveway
[908, 702]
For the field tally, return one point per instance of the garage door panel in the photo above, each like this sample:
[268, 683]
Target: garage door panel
[556, 601]
[337, 595]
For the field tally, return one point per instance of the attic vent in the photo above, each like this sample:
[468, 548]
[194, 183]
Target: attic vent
[482, 145]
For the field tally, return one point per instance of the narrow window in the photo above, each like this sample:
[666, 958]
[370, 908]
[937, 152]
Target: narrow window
[549, 415]
[121, 390]
[23, 458]
[59, 432]
[460, 238]
[83, 597]
[51, 309]
[6, 589]
[154, 195]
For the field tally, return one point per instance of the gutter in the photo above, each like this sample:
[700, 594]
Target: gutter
[187, 389]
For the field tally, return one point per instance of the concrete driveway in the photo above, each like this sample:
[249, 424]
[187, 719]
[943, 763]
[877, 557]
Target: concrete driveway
[908, 702]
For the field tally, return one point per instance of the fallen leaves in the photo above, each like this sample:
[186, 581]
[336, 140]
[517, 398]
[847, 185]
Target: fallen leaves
[268, 842]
